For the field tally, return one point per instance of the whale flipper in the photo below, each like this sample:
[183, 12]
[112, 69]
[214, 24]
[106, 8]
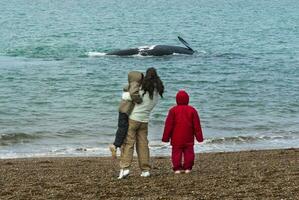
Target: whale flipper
[185, 43]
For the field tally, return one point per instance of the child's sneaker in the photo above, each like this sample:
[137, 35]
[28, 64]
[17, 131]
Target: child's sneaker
[145, 174]
[112, 148]
[187, 171]
[177, 172]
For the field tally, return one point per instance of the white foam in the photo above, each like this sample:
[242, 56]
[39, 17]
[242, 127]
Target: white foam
[95, 54]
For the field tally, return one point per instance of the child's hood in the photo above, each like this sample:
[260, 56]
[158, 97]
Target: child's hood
[182, 98]
[135, 76]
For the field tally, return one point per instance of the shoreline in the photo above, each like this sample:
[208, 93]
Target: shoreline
[85, 154]
[254, 174]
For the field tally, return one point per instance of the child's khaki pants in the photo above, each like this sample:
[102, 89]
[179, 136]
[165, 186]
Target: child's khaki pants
[137, 133]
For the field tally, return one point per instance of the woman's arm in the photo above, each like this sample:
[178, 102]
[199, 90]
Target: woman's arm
[126, 96]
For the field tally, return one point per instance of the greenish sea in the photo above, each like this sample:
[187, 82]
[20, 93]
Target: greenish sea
[59, 93]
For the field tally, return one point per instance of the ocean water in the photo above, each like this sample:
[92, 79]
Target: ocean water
[59, 94]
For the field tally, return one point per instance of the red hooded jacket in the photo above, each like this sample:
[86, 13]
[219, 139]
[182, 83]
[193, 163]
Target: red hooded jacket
[182, 123]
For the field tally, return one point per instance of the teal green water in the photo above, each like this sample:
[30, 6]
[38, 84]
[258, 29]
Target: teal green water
[56, 99]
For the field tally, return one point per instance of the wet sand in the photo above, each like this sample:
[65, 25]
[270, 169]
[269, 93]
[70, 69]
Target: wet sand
[264, 174]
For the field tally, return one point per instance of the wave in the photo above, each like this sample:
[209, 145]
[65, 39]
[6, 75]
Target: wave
[14, 138]
[100, 54]
[46, 51]
[246, 139]
[231, 55]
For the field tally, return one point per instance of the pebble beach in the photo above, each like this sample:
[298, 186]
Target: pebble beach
[263, 174]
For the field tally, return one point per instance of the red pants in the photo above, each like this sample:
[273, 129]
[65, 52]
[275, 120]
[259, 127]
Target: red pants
[185, 153]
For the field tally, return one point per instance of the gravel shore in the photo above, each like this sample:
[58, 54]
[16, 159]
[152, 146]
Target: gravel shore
[263, 174]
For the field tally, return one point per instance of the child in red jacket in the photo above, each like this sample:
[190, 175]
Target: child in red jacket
[181, 126]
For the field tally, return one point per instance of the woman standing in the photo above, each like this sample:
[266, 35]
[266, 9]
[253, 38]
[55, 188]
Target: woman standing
[151, 88]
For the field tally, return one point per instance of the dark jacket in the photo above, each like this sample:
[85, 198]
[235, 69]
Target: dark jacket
[182, 124]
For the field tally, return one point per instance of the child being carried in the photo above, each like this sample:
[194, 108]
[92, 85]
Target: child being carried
[130, 97]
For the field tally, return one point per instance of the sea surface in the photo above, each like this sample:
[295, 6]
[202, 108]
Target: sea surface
[59, 93]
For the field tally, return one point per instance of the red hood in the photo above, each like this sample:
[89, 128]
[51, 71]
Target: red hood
[182, 98]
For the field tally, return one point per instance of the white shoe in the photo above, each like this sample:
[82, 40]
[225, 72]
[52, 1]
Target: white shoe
[145, 174]
[123, 173]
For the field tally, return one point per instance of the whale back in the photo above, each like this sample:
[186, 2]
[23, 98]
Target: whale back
[168, 50]
[124, 52]
[155, 50]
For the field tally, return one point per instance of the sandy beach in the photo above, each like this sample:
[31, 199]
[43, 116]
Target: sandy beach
[264, 174]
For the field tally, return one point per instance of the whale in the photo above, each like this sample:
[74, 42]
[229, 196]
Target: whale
[155, 50]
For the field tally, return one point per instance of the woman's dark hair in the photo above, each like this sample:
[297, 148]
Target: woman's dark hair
[152, 81]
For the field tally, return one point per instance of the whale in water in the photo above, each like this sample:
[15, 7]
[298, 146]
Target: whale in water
[155, 50]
